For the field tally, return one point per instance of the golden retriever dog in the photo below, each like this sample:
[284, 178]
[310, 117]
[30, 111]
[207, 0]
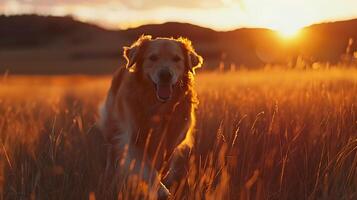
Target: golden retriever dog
[149, 113]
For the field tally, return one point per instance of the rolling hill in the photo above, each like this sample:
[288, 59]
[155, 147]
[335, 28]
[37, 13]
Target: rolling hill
[31, 44]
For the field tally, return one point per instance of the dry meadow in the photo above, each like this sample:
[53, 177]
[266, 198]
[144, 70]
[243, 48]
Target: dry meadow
[267, 134]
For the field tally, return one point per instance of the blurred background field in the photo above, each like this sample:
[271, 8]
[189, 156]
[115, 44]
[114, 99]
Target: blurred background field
[261, 134]
[35, 44]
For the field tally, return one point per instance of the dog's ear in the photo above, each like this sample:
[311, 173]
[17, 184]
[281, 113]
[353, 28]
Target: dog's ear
[193, 60]
[196, 61]
[132, 54]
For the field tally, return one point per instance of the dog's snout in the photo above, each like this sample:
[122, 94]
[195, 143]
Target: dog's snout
[165, 76]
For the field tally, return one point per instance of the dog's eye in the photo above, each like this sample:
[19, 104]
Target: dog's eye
[176, 58]
[153, 57]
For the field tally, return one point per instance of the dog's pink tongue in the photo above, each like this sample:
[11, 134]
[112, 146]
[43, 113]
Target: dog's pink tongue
[164, 91]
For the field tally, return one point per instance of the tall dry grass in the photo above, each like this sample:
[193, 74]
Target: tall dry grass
[272, 134]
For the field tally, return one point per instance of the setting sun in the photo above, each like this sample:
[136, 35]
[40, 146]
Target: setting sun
[288, 33]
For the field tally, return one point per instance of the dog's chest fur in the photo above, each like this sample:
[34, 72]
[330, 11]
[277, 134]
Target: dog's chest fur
[156, 127]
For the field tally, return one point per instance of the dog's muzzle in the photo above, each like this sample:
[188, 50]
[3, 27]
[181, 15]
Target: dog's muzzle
[164, 86]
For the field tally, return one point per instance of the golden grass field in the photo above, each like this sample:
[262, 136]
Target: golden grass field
[268, 134]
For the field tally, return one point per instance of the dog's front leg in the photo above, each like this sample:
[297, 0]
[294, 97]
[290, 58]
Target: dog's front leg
[131, 165]
[178, 166]
[109, 184]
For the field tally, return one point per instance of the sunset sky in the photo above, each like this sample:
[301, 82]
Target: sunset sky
[281, 15]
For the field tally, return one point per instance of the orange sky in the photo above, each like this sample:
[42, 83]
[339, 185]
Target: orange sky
[282, 15]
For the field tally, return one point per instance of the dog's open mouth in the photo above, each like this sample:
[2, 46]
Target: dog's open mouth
[163, 91]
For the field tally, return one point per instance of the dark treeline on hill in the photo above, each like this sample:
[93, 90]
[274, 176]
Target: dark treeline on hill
[31, 44]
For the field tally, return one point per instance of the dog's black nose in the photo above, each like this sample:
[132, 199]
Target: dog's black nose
[165, 76]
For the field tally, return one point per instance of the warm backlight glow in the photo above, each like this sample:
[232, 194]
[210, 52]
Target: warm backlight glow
[289, 33]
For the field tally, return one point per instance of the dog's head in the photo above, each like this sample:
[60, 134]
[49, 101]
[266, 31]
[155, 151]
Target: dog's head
[162, 61]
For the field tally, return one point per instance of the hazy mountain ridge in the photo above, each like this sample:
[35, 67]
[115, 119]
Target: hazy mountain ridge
[64, 45]
[33, 30]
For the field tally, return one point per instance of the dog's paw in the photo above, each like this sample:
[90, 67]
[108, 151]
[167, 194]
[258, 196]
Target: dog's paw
[163, 193]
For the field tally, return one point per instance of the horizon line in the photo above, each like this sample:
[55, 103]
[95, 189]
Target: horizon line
[107, 28]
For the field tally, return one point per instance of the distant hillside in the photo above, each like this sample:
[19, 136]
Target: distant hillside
[38, 44]
[328, 41]
[173, 29]
[34, 30]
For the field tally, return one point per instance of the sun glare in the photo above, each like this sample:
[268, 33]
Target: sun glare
[288, 32]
